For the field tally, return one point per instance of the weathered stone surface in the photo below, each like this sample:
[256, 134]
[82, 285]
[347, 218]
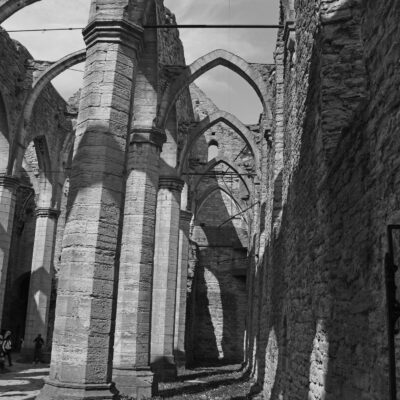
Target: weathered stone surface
[82, 334]
[132, 331]
[320, 282]
[181, 288]
[165, 277]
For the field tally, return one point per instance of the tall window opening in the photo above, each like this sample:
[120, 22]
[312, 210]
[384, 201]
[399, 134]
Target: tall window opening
[212, 150]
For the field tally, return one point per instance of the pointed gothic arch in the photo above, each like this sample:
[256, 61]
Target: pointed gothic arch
[45, 78]
[202, 65]
[216, 161]
[39, 84]
[211, 120]
[10, 7]
[199, 202]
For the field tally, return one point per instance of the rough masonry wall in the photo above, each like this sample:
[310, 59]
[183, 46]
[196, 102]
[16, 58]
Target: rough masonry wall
[171, 60]
[322, 328]
[51, 123]
[221, 303]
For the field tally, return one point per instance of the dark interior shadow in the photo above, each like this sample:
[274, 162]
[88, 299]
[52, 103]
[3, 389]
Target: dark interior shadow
[226, 289]
[19, 264]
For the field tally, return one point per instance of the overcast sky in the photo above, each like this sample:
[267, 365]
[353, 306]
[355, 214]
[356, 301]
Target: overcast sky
[226, 89]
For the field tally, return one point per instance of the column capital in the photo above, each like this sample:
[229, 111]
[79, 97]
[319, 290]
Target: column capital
[114, 31]
[171, 183]
[47, 212]
[154, 136]
[9, 181]
[186, 215]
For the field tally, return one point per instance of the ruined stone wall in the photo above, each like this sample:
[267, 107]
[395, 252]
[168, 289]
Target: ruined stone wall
[171, 59]
[322, 323]
[49, 121]
[14, 78]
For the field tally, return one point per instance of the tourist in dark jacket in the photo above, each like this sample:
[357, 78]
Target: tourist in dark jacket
[37, 355]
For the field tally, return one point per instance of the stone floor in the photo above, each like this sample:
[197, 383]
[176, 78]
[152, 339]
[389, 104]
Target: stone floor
[217, 383]
[23, 382]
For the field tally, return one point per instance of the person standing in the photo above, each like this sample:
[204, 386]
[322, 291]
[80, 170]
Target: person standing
[37, 355]
[7, 346]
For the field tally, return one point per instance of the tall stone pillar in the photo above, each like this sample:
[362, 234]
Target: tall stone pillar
[41, 276]
[8, 188]
[164, 281]
[83, 332]
[181, 289]
[131, 365]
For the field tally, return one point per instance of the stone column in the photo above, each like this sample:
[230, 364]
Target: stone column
[164, 281]
[8, 188]
[41, 276]
[131, 365]
[83, 333]
[181, 289]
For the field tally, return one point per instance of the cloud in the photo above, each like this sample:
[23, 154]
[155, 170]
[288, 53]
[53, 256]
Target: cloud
[252, 45]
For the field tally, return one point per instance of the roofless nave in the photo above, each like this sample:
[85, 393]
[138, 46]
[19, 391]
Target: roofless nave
[144, 231]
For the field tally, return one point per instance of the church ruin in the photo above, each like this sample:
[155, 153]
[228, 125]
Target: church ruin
[143, 230]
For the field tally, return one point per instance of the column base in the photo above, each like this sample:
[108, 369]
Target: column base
[136, 383]
[54, 390]
[164, 369]
[180, 361]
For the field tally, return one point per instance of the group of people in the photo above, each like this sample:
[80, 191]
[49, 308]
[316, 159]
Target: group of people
[6, 346]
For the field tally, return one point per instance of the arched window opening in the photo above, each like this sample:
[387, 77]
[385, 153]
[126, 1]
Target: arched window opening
[213, 150]
[230, 92]
[69, 83]
[4, 145]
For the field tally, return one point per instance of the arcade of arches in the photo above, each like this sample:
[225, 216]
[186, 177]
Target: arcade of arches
[144, 231]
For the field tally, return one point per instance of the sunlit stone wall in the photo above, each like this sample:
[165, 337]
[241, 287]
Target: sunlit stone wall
[322, 321]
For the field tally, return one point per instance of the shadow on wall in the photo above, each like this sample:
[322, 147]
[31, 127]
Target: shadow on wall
[19, 266]
[218, 300]
[16, 309]
[4, 137]
[322, 331]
